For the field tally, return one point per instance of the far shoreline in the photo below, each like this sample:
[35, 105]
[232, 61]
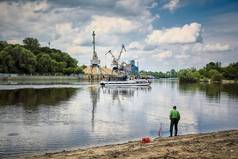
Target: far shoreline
[84, 77]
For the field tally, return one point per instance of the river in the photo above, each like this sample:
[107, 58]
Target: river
[52, 117]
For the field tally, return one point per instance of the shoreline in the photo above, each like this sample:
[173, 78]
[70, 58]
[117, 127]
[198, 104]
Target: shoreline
[83, 77]
[222, 144]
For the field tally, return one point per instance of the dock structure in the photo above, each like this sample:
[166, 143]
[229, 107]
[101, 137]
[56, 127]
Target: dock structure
[95, 71]
[95, 62]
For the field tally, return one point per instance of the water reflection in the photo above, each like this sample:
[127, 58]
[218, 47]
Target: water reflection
[94, 95]
[127, 92]
[31, 98]
[212, 91]
[117, 94]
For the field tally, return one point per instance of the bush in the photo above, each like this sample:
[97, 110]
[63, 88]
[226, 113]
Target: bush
[189, 75]
[69, 70]
[212, 72]
[217, 77]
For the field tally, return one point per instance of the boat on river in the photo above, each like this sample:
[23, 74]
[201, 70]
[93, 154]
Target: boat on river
[134, 82]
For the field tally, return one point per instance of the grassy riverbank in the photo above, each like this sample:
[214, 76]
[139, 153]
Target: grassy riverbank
[39, 77]
[208, 145]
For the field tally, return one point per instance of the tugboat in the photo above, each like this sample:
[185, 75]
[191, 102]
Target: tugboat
[135, 82]
[125, 82]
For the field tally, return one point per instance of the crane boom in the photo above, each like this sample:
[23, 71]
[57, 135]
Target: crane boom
[122, 48]
[110, 52]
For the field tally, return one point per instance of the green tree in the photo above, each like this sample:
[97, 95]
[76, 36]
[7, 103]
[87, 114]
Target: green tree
[214, 66]
[189, 75]
[217, 77]
[44, 63]
[16, 59]
[231, 71]
[3, 44]
[78, 70]
[60, 67]
[69, 70]
[173, 73]
[30, 58]
[212, 72]
[7, 63]
[64, 57]
[31, 44]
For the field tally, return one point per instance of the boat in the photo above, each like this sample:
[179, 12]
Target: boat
[134, 82]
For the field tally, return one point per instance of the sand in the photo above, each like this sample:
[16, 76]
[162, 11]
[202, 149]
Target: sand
[208, 145]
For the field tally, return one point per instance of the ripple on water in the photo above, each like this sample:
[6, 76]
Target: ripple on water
[12, 134]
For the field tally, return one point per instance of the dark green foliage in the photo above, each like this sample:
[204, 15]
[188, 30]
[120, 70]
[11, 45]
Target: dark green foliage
[189, 75]
[3, 44]
[214, 75]
[68, 70]
[30, 58]
[217, 77]
[16, 59]
[213, 65]
[231, 71]
[31, 43]
[78, 70]
[168, 74]
[212, 71]
[71, 70]
[44, 63]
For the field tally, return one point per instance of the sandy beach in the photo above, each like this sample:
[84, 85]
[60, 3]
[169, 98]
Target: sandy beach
[222, 144]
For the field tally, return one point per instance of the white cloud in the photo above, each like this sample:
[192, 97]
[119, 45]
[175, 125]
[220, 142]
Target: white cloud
[136, 45]
[189, 33]
[14, 41]
[182, 56]
[64, 28]
[215, 47]
[172, 5]
[108, 30]
[163, 55]
[105, 25]
[78, 50]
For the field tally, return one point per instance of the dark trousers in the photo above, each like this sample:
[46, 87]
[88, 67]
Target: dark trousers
[173, 123]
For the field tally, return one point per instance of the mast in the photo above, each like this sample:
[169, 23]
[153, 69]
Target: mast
[95, 61]
[94, 52]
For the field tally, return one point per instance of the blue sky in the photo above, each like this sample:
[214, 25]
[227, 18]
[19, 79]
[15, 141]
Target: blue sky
[159, 34]
[193, 10]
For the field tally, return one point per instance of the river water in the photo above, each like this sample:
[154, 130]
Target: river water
[52, 117]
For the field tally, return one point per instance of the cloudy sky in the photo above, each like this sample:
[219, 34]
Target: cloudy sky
[159, 34]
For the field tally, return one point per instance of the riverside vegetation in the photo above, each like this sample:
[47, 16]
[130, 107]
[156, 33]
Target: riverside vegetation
[31, 58]
[212, 71]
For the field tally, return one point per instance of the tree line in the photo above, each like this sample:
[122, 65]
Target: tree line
[212, 71]
[31, 58]
[169, 74]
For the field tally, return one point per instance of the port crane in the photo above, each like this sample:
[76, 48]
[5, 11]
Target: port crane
[115, 61]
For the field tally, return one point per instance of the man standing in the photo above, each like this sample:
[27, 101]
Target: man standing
[174, 119]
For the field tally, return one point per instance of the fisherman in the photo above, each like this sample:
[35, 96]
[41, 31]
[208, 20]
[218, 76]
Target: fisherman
[174, 119]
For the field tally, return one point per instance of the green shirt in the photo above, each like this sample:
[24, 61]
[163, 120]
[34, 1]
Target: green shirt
[174, 114]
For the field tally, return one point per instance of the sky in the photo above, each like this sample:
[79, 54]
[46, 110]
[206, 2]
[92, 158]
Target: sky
[159, 34]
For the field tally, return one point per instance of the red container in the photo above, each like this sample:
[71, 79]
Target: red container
[145, 140]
